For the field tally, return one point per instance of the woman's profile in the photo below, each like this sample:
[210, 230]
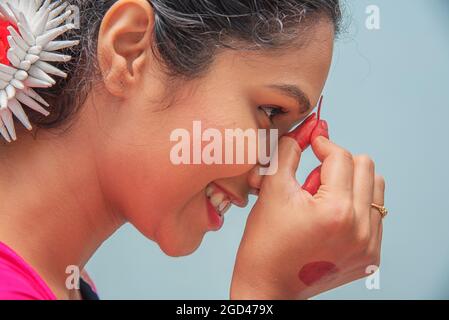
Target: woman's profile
[92, 148]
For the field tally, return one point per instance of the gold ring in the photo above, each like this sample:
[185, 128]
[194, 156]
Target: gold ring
[382, 210]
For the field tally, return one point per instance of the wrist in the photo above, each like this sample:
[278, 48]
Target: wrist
[245, 289]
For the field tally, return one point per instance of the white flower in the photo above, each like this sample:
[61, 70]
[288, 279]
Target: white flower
[31, 52]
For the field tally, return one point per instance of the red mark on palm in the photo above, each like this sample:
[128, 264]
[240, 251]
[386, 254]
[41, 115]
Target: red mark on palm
[312, 272]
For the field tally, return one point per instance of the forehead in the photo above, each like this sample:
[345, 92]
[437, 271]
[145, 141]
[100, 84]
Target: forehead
[306, 66]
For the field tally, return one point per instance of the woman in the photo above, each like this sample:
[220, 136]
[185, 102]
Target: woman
[101, 158]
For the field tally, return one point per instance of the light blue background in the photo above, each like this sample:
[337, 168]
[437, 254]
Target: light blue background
[387, 96]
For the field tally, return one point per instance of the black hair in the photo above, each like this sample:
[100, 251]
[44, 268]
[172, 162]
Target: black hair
[187, 35]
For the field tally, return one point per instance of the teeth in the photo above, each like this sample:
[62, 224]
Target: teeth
[216, 199]
[225, 209]
[223, 205]
[209, 191]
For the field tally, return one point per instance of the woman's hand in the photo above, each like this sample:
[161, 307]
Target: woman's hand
[297, 244]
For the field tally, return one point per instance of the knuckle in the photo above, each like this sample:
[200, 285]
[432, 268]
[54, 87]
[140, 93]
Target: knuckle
[339, 215]
[362, 240]
[364, 160]
[345, 154]
[343, 207]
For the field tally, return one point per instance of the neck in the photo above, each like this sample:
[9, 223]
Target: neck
[52, 209]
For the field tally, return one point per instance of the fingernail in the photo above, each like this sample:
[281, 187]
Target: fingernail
[324, 125]
[303, 132]
[321, 130]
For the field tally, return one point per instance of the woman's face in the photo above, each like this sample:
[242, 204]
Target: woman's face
[175, 205]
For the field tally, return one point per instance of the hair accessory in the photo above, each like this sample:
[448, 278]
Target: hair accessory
[28, 29]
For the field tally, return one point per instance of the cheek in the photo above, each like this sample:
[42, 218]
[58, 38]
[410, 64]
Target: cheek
[148, 164]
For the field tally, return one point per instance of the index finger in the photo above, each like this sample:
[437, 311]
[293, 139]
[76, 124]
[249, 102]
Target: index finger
[337, 169]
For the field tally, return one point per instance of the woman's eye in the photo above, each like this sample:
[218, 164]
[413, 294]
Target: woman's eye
[272, 112]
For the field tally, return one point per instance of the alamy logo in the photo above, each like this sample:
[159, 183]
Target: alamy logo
[372, 22]
[372, 282]
[228, 149]
[72, 282]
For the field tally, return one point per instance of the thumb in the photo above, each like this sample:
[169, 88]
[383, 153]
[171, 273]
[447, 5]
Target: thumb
[321, 145]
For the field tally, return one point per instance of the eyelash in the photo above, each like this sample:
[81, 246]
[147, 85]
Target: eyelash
[274, 111]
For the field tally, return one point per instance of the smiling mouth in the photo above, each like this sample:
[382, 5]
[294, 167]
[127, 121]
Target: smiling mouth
[219, 199]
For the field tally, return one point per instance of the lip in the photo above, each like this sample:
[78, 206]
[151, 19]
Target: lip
[234, 199]
[216, 221]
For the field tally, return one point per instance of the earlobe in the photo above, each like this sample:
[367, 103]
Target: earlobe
[123, 43]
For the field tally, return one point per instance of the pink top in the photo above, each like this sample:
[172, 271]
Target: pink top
[19, 281]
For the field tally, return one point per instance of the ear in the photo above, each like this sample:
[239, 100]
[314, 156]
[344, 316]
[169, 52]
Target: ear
[123, 42]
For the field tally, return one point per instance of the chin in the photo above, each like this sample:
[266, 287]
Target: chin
[179, 247]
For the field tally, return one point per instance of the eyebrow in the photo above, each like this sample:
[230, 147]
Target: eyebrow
[296, 93]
